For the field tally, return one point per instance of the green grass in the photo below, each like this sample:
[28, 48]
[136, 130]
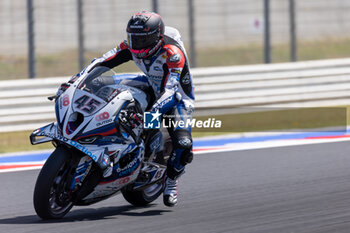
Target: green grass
[52, 65]
[66, 63]
[19, 141]
[289, 119]
[235, 123]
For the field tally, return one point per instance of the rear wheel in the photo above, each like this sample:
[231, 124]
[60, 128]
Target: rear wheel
[145, 196]
[52, 198]
[150, 194]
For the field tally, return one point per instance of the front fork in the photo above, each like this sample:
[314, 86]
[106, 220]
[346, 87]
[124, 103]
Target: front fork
[81, 172]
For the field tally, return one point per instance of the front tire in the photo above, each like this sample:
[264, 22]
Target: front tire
[51, 196]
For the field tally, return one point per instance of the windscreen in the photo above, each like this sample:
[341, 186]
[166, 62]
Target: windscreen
[101, 83]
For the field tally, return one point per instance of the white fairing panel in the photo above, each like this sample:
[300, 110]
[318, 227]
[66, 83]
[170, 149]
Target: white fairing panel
[109, 112]
[96, 111]
[85, 104]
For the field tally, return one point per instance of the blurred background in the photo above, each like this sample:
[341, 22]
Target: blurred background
[40, 38]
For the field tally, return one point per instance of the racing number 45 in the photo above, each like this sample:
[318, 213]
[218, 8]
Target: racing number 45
[87, 104]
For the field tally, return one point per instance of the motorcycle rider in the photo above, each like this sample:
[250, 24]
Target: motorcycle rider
[159, 52]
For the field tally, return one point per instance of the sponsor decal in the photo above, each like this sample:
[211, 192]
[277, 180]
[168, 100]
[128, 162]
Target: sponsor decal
[174, 78]
[109, 53]
[102, 116]
[66, 101]
[176, 71]
[83, 149]
[70, 142]
[112, 95]
[128, 169]
[53, 135]
[175, 58]
[136, 26]
[163, 103]
[155, 144]
[186, 79]
[157, 68]
[155, 77]
[124, 180]
[104, 122]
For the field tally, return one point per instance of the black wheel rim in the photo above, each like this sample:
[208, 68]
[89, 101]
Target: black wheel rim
[153, 190]
[60, 198]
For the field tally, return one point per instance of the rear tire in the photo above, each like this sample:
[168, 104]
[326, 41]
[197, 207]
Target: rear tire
[143, 197]
[150, 194]
[51, 199]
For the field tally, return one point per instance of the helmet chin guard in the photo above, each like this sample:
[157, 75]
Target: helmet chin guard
[144, 53]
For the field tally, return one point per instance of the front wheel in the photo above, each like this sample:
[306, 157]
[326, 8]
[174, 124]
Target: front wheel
[52, 199]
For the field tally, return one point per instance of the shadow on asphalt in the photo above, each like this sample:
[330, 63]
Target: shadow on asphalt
[88, 214]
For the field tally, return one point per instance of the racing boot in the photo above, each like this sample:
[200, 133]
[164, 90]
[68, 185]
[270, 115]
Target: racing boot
[170, 192]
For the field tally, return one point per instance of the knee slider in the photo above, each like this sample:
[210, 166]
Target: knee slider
[187, 154]
[183, 141]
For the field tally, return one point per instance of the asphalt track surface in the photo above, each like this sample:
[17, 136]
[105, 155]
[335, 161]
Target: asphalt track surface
[287, 189]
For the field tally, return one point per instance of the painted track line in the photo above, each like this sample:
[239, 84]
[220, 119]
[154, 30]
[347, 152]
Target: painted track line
[21, 161]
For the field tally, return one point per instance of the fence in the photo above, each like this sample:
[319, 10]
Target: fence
[24, 106]
[50, 32]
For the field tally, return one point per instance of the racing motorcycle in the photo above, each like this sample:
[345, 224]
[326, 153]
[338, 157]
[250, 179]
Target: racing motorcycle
[101, 148]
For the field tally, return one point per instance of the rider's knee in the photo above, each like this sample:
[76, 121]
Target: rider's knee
[184, 141]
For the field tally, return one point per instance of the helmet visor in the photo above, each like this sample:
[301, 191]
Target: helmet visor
[138, 42]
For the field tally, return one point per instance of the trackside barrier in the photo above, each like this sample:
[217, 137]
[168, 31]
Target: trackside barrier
[24, 104]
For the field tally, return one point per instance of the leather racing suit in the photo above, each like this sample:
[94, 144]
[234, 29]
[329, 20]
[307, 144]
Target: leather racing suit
[169, 76]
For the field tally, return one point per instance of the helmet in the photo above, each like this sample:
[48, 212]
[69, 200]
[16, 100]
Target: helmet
[145, 33]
